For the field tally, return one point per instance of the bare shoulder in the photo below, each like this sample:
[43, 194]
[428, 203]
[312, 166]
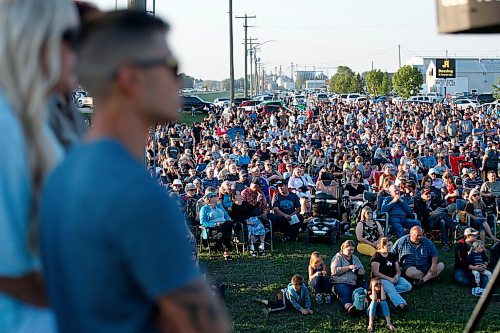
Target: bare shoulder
[192, 309]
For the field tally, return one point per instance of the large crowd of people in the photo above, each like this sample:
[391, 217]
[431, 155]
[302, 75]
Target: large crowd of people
[423, 175]
[90, 242]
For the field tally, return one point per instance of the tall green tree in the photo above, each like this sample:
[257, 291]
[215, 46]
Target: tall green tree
[301, 80]
[346, 81]
[378, 82]
[386, 86]
[373, 81]
[187, 81]
[407, 81]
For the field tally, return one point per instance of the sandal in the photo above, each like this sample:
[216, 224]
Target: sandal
[391, 327]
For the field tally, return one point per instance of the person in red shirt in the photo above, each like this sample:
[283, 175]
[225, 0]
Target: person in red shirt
[451, 191]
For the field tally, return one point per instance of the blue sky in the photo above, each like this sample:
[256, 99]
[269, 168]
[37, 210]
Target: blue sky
[321, 33]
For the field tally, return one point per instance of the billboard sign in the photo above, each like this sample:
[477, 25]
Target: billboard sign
[445, 68]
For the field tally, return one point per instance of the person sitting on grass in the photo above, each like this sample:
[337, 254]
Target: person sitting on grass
[478, 262]
[377, 297]
[385, 266]
[347, 275]
[418, 256]
[318, 278]
[368, 232]
[295, 295]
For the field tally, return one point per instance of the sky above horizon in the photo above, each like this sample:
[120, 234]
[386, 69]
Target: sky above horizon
[317, 35]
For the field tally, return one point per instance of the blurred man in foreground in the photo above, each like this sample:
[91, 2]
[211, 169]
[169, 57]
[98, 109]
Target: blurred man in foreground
[114, 245]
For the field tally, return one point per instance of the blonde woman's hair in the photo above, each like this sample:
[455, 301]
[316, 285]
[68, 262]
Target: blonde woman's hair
[363, 213]
[315, 256]
[30, 64]
[346, 244]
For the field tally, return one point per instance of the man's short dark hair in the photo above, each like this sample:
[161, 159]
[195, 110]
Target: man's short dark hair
[111, 39]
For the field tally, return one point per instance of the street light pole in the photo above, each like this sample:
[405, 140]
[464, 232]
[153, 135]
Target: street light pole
[231, 61]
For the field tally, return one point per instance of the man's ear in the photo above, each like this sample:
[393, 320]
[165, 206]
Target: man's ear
[129, 81]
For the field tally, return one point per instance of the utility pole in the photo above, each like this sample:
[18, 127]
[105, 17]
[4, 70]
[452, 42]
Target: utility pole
[231, 60]
[256, 71]
[399, 55]
[291, 69]
[246, 26]
[372, 64]
[251, 51]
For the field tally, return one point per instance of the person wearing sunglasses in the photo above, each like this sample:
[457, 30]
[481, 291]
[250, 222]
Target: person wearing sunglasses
[137, 239]
[34, 60]
[478, 213]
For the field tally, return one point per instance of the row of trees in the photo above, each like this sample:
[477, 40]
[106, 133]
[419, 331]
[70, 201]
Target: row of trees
[405, 82]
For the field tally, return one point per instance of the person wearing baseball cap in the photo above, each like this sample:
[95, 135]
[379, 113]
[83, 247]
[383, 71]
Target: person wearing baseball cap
[462, 273]
[177, 186]
[436, 182]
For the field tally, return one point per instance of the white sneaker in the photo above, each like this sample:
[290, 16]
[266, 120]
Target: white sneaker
[476, 291]
[328, 299]
[318, 299]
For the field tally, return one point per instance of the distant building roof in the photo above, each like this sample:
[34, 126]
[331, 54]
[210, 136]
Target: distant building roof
[474, 65]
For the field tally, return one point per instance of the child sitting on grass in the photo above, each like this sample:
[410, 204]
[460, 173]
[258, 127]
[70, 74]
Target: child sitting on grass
[319, 279]
[377, 297]
[477, 265]
[296, 295]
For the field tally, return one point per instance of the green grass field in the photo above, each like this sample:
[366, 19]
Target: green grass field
[439, 307]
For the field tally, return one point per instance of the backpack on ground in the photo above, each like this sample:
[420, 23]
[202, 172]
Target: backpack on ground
[359, 299]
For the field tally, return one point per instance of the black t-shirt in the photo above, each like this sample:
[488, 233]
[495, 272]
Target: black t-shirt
[354, 191]
[387, 264]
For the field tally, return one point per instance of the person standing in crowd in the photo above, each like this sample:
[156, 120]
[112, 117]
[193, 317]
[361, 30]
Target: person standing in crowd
[139, 243]
[37, 43]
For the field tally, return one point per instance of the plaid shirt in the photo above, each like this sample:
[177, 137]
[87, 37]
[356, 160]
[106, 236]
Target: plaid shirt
[411, 255]
[251, 197]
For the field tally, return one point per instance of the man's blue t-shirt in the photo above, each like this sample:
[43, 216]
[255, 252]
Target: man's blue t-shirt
[112, 242]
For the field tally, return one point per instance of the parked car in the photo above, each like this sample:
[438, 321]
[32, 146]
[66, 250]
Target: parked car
[465, 103]
[249, 106]
[189, 101]
[82, 99]
[347, 98]
[267, 103]
[322, 97]
[361, 99]
[416, 99]
[380, 99]
[239, 100]
[221, 102]
[485, 98]
[435, 97]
